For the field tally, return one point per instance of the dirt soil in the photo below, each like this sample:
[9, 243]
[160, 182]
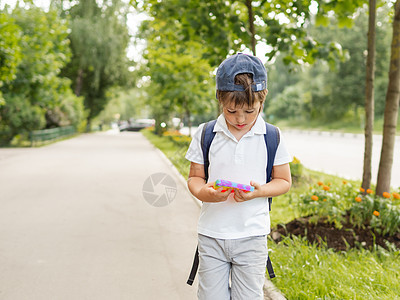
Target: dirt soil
[342, 239]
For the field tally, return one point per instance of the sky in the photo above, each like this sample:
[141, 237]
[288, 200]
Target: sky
[41, 3]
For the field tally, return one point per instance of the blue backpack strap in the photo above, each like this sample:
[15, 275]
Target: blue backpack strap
[272, 139]
[195, 266]
[207, 136]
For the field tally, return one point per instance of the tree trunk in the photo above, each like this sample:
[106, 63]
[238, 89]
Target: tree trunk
[79, 83]
[187, 113]
[188, 116]
[251, 26]
[391, 109]
[88, 124]
[369, 96]
[157, 125]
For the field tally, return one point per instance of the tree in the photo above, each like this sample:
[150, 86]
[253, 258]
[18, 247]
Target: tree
[178, 67]
[391, 109]
[332, 94]
[215, 24]
[229, 26]
[369, 96]
[189, 86]
[224, 27]
[127, 104]
[99, 40]
[180, 78]
[10, 50]
[37, 96]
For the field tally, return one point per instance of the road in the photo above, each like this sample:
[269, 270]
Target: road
[75, 225]
[339, 154]
[336, 153]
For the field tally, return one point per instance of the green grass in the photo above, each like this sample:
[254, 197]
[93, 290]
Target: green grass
[305, 271]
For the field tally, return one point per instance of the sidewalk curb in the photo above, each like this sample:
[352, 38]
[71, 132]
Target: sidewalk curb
[271, 292]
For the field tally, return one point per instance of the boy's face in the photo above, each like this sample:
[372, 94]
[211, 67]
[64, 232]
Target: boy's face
[240, 119]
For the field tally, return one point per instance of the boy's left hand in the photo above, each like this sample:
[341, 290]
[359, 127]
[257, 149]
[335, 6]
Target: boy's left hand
[241, 196]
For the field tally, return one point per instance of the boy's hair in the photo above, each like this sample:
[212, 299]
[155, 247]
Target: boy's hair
[248, 96]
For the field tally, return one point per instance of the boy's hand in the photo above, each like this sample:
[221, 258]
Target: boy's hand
[208, 194]
[241, 196]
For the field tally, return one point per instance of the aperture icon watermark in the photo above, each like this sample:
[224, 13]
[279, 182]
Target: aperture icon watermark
[159, 189]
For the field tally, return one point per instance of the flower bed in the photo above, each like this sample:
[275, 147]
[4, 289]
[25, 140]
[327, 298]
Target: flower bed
[178, 139]
[343, 216]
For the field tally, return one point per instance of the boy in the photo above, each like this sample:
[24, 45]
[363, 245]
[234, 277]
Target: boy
[232, 227]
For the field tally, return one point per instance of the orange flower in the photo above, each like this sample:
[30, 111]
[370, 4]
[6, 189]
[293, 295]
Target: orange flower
[315, 198]
[358, 199]
[320, 183]
[326, 188]
[376, 213]
[386, 195]
[344, 182]
[325, 199]
[396, 196]
[362, 190]
[369, 191]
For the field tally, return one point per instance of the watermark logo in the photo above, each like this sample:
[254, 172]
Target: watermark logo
[159, 189]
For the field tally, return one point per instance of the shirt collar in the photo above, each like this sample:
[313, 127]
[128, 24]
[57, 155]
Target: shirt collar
[258, 127]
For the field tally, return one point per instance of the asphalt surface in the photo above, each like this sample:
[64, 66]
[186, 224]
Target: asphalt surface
[339, 154]
[74, 223]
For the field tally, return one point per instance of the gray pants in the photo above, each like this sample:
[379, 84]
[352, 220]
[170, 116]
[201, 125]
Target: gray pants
[239, 261]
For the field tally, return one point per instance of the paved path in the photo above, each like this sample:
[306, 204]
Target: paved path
[74, 223]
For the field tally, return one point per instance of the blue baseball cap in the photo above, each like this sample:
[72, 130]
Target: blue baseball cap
[238, 64]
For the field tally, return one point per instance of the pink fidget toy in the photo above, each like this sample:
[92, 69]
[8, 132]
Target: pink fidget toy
[230, 184]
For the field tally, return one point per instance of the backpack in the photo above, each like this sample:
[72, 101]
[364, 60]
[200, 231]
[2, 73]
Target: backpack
[272, 139]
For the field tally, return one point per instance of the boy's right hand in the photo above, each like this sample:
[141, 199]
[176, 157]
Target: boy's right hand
[209, 194]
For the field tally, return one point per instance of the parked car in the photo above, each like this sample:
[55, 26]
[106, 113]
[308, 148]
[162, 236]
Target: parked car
[136, 125]
[123, 125]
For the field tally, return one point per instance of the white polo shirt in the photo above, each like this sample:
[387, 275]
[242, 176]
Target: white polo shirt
[239, 161]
